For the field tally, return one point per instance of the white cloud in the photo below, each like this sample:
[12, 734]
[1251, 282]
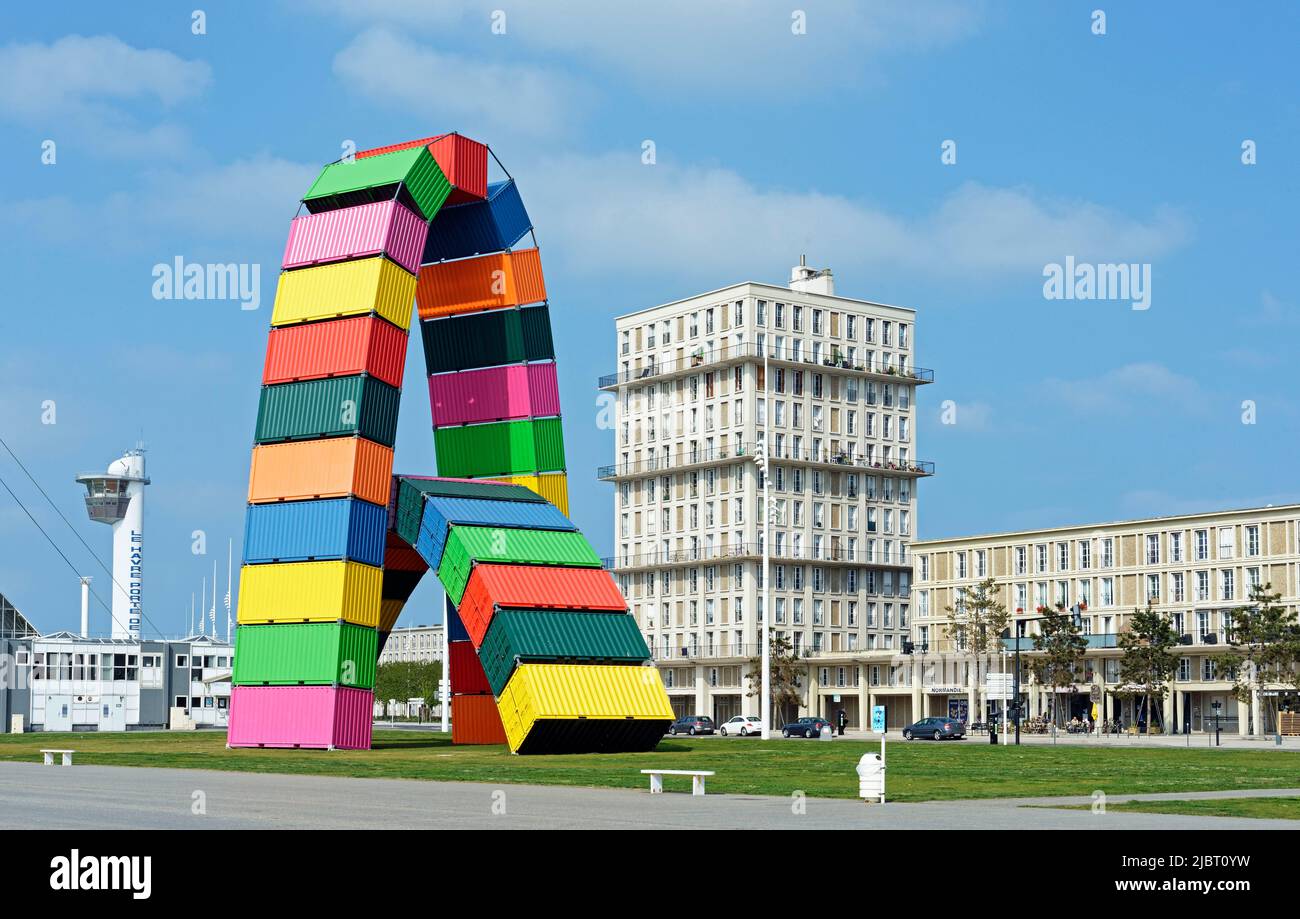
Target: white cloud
[1143, 388]
[482, 96]
[1273, 311]
[610, 213]
[248, 201]
[76, 88]
[737, 44]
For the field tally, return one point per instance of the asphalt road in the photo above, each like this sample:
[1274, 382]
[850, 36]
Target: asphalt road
[119, 797]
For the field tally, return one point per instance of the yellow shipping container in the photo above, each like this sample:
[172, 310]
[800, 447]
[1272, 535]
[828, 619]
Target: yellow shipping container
[569, 692]
[389, 611]
[310, 592]
[553, 486]
[352, 288]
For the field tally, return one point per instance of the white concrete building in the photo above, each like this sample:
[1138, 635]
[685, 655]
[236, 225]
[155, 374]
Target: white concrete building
[413, 643]
[700, 381]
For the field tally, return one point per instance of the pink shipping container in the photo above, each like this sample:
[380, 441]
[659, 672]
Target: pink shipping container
[494, 394]
[327, 717]
[354, 232]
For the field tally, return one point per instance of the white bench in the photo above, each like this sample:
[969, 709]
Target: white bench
[657, 779]
[67, 756]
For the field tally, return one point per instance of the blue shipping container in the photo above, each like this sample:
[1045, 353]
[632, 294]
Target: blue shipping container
[295, 531]
[441, 512]
[456, 630]
[479, 227]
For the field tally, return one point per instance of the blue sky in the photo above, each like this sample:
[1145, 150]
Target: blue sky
[1122, 147]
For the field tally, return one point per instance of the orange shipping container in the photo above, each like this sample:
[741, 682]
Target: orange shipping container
[328, 468]
[487, 282]
[475, 720]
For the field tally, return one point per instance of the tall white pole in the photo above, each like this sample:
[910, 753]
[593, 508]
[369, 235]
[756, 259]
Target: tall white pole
[766, 708]
[230, 574]
[444, 683]
[85, 607]
[191, 631]
[212, 610]
[203, 596]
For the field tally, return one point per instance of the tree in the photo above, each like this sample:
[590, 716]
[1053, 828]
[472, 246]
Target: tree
[1149, 659]
[783, 674]
[1263, 647]
[1061, 643]
[404, 680]
[976, 625]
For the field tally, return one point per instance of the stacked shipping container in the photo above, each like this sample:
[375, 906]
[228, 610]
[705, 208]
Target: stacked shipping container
[546, 658]
[317, 568]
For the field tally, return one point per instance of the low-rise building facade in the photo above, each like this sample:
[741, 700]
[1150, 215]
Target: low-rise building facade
[1195, 569]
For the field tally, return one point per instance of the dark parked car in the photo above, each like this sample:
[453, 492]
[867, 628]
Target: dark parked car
[805, 727]
[692, 724]
[936, 729]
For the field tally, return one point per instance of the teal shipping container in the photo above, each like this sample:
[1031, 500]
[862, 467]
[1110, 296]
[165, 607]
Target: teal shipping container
[334, 407]
[552, 635]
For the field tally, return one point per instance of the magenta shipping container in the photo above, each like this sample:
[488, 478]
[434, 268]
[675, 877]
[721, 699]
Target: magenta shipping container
[327, 717]
[353, 232]
[494, 394]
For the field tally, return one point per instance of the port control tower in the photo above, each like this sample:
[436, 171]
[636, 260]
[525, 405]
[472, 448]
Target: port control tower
[116, 497]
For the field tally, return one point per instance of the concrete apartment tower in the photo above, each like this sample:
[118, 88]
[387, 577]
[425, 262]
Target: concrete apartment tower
[832, 382]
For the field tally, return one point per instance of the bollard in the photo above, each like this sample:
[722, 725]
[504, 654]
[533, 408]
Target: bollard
[871, 777]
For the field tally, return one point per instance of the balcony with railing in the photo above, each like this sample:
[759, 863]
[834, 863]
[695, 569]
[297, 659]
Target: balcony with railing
[826, 459]
[791, 357]
[717, 651]
[753, 550]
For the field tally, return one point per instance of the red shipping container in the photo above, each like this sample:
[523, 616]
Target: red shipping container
[494, 394]
[336, 347]
[475, 720]
[465, 671]
[327, 717]
[533, 587]
[485, 282]
[384, 227]
[399, 555]
[463, 161]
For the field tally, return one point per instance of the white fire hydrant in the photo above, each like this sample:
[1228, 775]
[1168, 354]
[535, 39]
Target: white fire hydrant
[871, 777]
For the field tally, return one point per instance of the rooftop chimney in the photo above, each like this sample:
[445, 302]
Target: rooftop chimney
[812, 280]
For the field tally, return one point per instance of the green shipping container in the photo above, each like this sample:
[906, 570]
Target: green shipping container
[467, 545]
[411, 492]
[333, 407]
[306, 653]
[572, 636]
[412, 176]
[488, 339]
[501, 448]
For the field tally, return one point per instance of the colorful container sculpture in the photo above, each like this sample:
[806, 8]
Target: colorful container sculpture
[544, 656]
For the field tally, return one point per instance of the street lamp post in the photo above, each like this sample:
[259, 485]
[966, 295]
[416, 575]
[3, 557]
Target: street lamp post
[1015, 679]
[761, 461]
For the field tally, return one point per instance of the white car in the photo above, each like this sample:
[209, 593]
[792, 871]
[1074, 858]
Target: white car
[744, 725]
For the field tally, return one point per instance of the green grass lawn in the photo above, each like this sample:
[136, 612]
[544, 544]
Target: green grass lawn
[1264, 808]
[917, 771]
